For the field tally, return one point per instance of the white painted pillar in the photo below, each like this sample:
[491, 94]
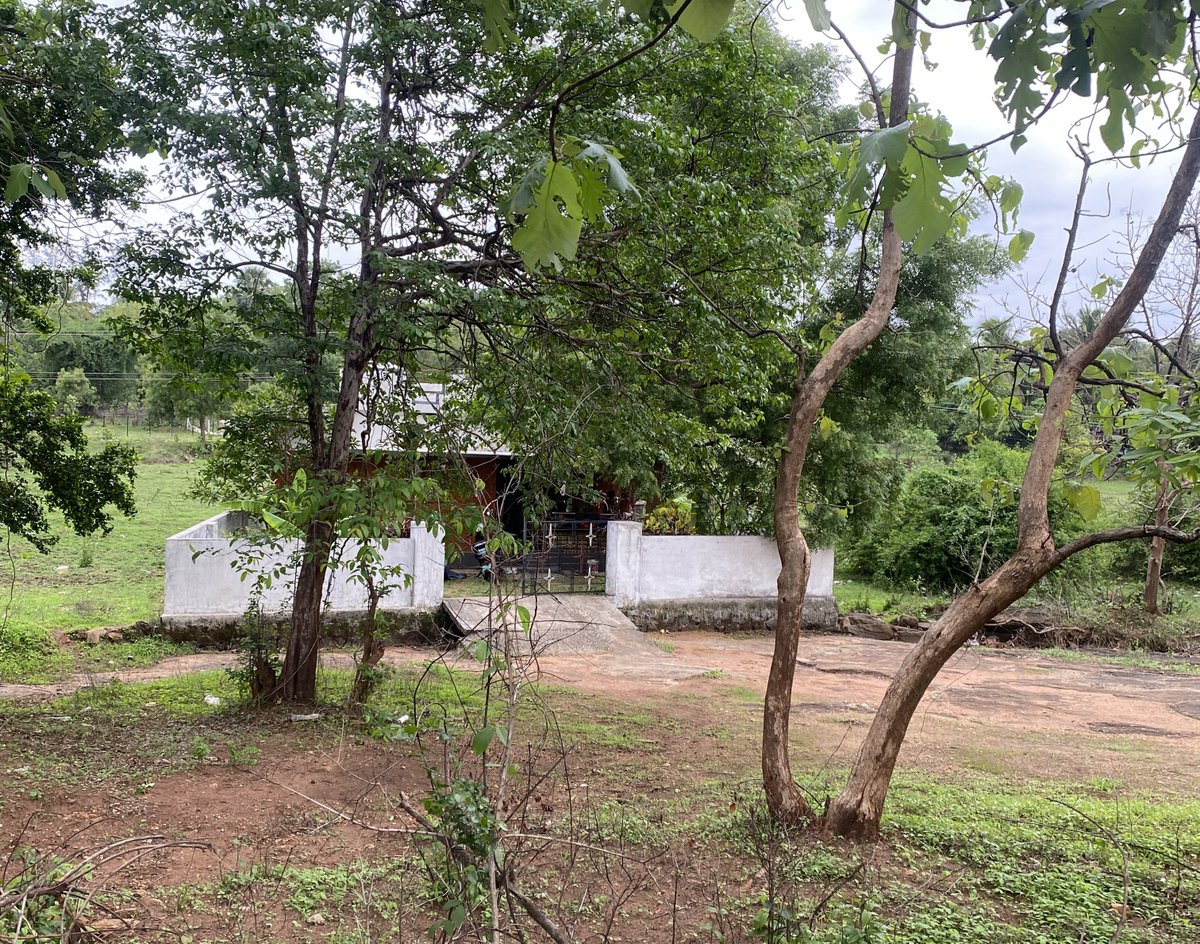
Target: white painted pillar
[820, 574]
[624, 565]
[429, 566]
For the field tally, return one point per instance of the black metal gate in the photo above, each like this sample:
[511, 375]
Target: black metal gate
[565, 556]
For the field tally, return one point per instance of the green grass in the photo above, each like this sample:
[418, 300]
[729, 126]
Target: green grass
[1134, 660]
[102, 580]
[978, 861]
[861, 596]
[469, 587]
[125, 735]
[132, 654]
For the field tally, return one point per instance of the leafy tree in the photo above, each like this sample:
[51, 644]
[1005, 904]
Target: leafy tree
[1124, 53]
[952, 524]
[60, 136]
[80, 341]
[313, 151]
[48, 467]
[172, 399]
[647, 369]
[74, 391]
[889, 390]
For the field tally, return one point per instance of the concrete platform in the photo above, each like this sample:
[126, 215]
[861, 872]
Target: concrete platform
[569, 624]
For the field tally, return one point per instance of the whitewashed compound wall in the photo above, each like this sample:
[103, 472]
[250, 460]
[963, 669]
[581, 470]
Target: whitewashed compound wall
[647, 573]
[202, 582]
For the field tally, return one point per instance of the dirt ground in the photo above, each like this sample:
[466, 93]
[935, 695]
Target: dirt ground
[1007, 711]
[1021, 710]
[318, 797]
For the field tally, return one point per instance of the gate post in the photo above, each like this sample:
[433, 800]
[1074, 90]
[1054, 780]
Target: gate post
[623, 579]
[429, 566]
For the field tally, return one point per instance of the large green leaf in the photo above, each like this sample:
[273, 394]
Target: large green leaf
[498, 20]
[887, 144]
[1085, 499]
[551, 228]
[609, 159]
[704, 19]
[818, 14]
[17, 186]
[922, 215]
[1019, 245]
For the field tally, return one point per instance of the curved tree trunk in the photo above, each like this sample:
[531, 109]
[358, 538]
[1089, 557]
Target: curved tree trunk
[856, 812]
[784, 799]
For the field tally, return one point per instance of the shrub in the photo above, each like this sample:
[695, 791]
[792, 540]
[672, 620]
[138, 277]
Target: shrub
[1181, 563]
[671, 517]
[952, 522]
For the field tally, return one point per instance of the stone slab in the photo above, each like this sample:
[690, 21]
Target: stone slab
[568, 624]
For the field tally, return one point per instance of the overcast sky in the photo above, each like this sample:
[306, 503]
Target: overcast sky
[961, 87]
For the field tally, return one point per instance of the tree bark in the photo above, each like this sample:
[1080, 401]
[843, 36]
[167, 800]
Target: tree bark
[785, 800]
[373, 648]
[298, 679]
[856, 811]
[1158, 545]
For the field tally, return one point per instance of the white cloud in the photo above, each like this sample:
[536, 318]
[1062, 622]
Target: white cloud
[961, 87]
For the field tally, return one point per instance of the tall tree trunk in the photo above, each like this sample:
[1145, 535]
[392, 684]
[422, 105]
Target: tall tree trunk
[856, 811]
[298, 678]
[1158, 545]
[784, 799]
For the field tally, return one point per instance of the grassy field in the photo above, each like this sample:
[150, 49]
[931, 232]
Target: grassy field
[102, 580]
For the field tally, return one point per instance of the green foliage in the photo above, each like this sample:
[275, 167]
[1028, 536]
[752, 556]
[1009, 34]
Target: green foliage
[1125, 54]
[81, 341]
[73, 391]
[60, 138]
[645, 363]
[870, 432]
[260, 446]
[555, 199]
[953, 523]
[49, 467]
[57, 134]
[673, 516]
[39, 902]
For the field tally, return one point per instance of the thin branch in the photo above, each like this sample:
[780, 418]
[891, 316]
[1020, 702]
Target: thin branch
[566, 93]
[1127, 533]
[1069, 251]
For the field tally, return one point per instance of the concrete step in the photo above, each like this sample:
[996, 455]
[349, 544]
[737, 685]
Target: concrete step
[567, 624]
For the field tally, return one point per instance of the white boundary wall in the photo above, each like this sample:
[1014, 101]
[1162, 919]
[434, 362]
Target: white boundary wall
[203, 583]
[650, 569]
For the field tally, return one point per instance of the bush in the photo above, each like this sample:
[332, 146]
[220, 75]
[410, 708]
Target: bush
[671, 517]
[953, 522]
[1181, 563]
[74, 391]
